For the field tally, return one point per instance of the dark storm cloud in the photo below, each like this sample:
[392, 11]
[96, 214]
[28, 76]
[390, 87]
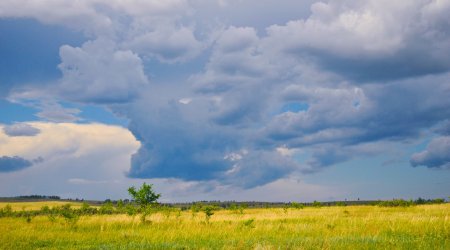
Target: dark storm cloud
[366, 71]
[14, 163]
[436, 155]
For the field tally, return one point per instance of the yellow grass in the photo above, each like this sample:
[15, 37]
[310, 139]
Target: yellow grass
[18, 206]
[352, 227]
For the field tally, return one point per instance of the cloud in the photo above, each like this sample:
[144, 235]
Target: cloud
[99, 73]
[352, 115]
[371, 40]
[167, 44]
[257, 168]
[365, 73]
[14, 163]
[62, 140]
[78, 158]
[443, 128]
[436, 155]
[21, 129]
[54, 112]
[181, 141]
[95, 18]
[149, 28]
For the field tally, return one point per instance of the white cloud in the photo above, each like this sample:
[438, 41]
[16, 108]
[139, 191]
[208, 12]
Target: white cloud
[71, 153]
[67, 140]
[355, 28]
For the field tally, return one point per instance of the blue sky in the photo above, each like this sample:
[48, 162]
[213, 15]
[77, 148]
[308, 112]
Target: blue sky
[228, 99]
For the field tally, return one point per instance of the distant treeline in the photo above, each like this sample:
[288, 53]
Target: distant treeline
[256, 204]
[32, 197]
[228, 204]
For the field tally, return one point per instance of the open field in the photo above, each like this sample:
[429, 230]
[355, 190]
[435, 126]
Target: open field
[350, 227]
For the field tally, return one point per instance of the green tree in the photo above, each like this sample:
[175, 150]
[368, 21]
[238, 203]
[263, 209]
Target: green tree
[145, 197]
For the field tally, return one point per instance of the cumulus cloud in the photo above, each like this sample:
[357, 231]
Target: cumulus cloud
[371, 40]
[99, 73]
[21, 129]
[371, 72]
[14, 163]
[167, 45]
[356, 115]
[65, 155]
[436, 155]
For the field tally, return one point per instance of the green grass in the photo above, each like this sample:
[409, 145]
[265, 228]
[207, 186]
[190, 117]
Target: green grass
[352, 227]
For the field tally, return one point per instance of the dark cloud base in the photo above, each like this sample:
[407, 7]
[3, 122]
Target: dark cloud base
[14, 163]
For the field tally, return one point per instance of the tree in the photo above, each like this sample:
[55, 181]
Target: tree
[145, 197]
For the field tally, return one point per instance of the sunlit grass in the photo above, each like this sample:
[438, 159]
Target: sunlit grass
[18, 206]
[352, 227]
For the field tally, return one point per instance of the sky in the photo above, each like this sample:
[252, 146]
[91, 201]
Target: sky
[225, 100]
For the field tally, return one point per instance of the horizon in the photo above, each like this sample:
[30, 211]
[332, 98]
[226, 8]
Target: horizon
[226, 100]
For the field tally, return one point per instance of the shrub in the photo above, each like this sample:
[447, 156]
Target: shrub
[195, 208]
[296, 205]
[396, 203]
[107, 208]
[341, 204]
[317, 204]
[209, 211]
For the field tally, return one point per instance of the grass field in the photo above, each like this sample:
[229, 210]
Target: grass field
[351, 227]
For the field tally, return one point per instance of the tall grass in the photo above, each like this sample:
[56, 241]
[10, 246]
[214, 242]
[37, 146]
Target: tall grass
[350, 227]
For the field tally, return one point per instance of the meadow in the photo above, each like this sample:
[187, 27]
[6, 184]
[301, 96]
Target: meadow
[335, 227]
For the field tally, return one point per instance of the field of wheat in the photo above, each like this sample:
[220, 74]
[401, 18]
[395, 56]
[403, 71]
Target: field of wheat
[349, 227]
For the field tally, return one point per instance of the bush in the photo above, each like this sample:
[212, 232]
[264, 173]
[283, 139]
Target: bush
[107, 208]
[396, 203]
[341, 204]
[296, 205]
[316, 204]
[69, 215]
[87, 210]
[209, 211]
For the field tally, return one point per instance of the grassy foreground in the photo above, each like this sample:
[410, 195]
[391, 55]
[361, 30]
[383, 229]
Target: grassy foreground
[351, 227]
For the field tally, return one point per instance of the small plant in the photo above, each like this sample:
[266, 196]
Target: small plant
[107, 208]
[195, 208]
[51, 217]
[28, 217]
[233, 208]
[249, 223]
[131, 210]
[120, 206]
[69, 215]
[242, 207]
[285, 208]
[209, 211]
[86, 209]
[45, 209]
[7, 210]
